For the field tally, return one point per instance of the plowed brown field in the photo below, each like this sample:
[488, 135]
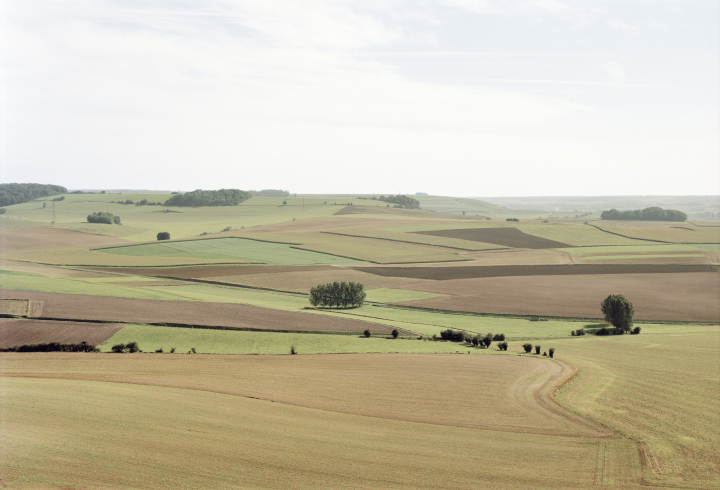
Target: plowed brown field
[81, 307]
[508, 237]
[22, 239]
[442, 273]
[679, 296]
[19, 332]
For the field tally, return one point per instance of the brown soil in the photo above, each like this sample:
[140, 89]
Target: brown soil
[22, 239]
[662, 296]
[508, 237]
[81, 307]
[449, 273]
[198, 272]
[20, 332]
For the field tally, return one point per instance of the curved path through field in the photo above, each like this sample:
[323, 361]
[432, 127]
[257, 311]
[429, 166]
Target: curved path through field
[431, 415]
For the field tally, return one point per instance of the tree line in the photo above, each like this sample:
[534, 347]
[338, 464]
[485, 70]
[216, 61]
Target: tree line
[270, 193]
[17, 193]
[53, 347]
[223, 197]
[647, 214]
[404, 201]
[338, 294]
[103, 217]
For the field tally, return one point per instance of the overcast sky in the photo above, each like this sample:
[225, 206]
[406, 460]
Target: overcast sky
[449, 97]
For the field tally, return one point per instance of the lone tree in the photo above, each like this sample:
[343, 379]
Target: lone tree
[618, 311]
[163, 235]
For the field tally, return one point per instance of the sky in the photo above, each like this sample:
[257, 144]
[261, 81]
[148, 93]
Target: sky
[448, 97]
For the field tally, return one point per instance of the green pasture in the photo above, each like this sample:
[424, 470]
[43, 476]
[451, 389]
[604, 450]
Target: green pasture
[142, 223]
[206, 341]
[26, 281]
[238, 248]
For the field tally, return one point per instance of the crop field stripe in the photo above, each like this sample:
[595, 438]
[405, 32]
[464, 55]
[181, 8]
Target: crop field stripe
[441, 245]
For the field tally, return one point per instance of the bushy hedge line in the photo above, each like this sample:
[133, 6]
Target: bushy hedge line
[53, 347]
[103, 217]
[223, 197]
[647, 214]
[338, 294]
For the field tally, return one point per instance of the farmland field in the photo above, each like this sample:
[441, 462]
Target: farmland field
[350, 411]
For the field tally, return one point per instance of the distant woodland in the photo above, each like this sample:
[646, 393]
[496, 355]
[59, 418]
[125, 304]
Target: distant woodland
[223, 197]
[647, 214]
[16, 193]
[270, 193]
[404, 201]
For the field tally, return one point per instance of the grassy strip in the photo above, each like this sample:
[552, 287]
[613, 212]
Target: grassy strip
[167, 242]
[413, 243]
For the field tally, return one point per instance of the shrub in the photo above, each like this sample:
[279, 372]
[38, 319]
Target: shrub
[551, 351]
[3, 210]
[192, 351]
[511, 219]
[116, 220]
[292, 350]
[537, 349]
[132, 347]
[499, 337]
[504, 346]
[636, 330]
[159, 351]
[580, 331]
[395, 333]
[118, 348]
[487, 340]
[172, 351]
[544, 354]
[103, 217]
[528, 348]
[285, 203]
[163, 235]
[367, 333]
[452, 335]
[603, 331]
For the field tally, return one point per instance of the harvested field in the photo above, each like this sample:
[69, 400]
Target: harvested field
[507, 237]
[669, 234]
[82, 307]
[174, 421]
[23, 239]
[47, 270]
[575, 234]
[19, 332]
[449, 273]
[301, 282]
[513, 396]
[14, 307]
[199, 272]
[660, 296]
[399, 236]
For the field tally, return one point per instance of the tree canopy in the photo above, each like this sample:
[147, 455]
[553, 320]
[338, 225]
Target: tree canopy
[270, 193]
[647, 214]
[103, 217]
[163, 235]
[618, 311]
[223, 197]
[337, 294]
[404, 201]
[16, 193]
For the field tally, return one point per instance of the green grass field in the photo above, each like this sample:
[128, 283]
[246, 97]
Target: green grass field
[235, 248]
[151, 338]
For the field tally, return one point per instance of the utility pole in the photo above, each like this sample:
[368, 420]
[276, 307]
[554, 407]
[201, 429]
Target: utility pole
[53, 214]
[303, 204]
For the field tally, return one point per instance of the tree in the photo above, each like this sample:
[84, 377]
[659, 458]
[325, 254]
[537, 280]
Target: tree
[16, 193]
[163, 235]
[618, 311]
[103, 217]
[337, 294]
[223, 197]
[367, 333]
[395, 333]
[528, 348]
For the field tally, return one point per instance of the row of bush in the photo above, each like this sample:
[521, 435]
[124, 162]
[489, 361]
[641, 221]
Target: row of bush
[222, 197]
[53, 347]
[103, 217]
[529, 347]
[617, 331]
[337, 294]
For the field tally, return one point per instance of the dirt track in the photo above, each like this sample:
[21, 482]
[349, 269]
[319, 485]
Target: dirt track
[470, 272]
[508, 237]
[81, 307]
[18, 332]
[679, 296]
